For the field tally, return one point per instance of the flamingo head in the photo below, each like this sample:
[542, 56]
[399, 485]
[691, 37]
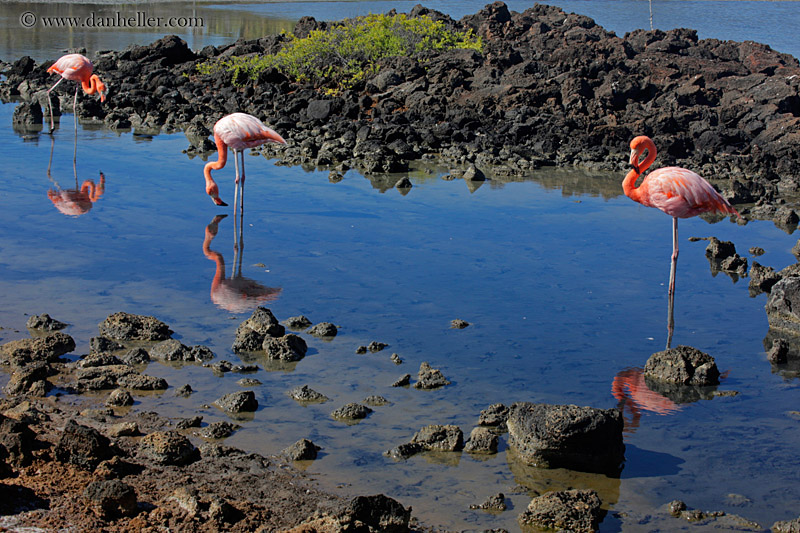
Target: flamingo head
[101, 88]
[640, 145]
[213, 191]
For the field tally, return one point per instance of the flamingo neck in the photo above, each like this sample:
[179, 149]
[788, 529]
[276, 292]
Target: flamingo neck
[638, 147]
[629, 185]
[222, 159]
[93, 85]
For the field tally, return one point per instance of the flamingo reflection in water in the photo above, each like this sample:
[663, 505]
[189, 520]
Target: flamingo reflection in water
[78, 201]
[237, 293]
[634, 396]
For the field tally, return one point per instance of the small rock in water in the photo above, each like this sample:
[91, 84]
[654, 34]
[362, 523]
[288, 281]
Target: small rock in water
[324, 329]
[376, 401]
[376, 346]
[682, 365]
[119, 398]
[305, 394]
[219, 430]
[459, 324]
[297, 322]
[302, 450]
[44, 322]
[185, 391]
[430, 378]
[238, 402]
[495, 503]
[192, 422]
[352, 411]
[403, 381]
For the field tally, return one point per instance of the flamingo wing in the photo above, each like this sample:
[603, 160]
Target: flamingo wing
[72, 67]
[240, 131]
[681, 193]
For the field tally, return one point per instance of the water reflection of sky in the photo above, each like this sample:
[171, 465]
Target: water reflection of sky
[564, 287]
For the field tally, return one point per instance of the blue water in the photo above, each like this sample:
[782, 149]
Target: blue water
[562, 278]
[563, 291]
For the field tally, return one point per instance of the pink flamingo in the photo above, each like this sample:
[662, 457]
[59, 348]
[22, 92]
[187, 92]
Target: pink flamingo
[239, 131]
[78, 68]
[678, 192]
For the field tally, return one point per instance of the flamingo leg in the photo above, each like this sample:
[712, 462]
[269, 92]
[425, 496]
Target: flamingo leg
[241, 186]
[674, 255]
[75, 109]
[236, 182]
[670, 319]
[50, 104]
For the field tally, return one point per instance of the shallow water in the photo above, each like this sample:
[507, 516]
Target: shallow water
[564, 285]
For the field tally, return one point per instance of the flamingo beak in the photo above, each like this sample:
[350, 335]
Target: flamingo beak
[273, 136]
[218, 201]
[634, 161]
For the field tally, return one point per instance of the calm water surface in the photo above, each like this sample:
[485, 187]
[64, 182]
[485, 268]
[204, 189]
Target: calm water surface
[563, 280]
[564, 287]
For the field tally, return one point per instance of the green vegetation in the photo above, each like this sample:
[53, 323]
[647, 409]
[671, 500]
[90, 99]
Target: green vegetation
[347, 52]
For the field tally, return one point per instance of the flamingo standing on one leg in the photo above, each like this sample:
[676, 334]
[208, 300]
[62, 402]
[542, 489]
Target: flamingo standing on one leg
[78, 68]
[239, 131]
[678, 192]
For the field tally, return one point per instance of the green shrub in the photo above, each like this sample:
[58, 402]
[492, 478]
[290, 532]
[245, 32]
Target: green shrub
[348, 52]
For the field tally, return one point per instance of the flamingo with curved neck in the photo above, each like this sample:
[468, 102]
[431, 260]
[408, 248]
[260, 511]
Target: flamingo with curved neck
[676, 191]
[76, 67]
[237, 131]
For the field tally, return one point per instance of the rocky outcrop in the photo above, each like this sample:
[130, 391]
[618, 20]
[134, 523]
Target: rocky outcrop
[682, 365]
[783, 305]
[569, 510]
[126, 326]
[567, 436]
